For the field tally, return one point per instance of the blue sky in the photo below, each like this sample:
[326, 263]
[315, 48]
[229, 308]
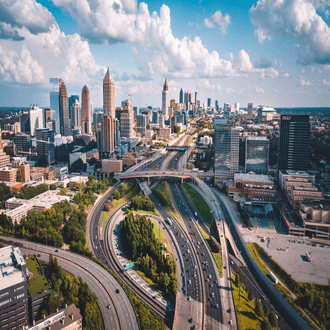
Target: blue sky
[266, 52]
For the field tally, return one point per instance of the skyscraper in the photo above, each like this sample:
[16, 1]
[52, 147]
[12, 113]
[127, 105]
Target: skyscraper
[216, 105]
[109, 95]
[226, 147]
[250, 110]
[76, 115]
[72, 99]
[181, 96]
[54, 92]
[109, 110]
[86, 116]
[294, 142]
[209, 102]
[165, 103]
[256, 154]
[45, 150]
[36, 119]
[126, 124]
[65, 122]
[185, 97]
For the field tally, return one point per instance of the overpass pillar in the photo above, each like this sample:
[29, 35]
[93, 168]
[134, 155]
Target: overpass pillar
[148, 180]
[181, 180]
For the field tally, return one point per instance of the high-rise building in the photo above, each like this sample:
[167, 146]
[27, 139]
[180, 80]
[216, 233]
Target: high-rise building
[237, 106]
[36, 119]
[45, 150]
[86, 116]
[126, 124]
[4, 158]
[54, 92]
[65, 122]
[165, 103]
[109, 95]
[76, 112]
[181, 96]
[250, 110]
[189, 98]
[256, 154]
[14, 309]
[226, 149]
[294, 142]
[107, 132]
[109, 110]
[117, 132]
[155, 117]
[226, 108]
[142, 124]
[186, 97]
[209, 102]
[172, 103]
[47, 115]
[72, 100]
[24, 119]
[22, 142]
[216, 105]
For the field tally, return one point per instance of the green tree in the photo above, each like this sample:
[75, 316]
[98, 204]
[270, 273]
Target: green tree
[19, 175]
[265, 325]
[258, 308]
[53, 186]
[266, 310]
[272, 319]
[250, 294]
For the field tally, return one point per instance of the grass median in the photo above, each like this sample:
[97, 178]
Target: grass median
[163, 190]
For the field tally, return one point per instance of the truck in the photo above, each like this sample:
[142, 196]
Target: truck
[169, 221]
[273, 277]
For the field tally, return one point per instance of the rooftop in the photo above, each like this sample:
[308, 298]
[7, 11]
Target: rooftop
[11, 264]
[321, 205]
[300, 173]
[253, 177]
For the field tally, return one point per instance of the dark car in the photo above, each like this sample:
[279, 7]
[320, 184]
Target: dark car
[117, 290]
[56, 250]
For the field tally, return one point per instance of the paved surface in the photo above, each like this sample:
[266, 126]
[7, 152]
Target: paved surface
[121, 315]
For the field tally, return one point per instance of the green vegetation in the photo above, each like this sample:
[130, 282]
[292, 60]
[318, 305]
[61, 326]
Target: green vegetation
[37, 284]
[155, 167]
[19, 175]
[312, 298]
[137, 235]
[188, 167]
[165, 198]
[84, 198]
[68, 289]
[53, 186]
[244, 216]
[62, 191]
[201, 206]
[99, 187]
[30, 192]
[104, 218]
[5, 193]
[142, 203]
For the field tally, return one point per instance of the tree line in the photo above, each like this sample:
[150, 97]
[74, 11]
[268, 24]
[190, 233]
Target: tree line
[30, 192]
[142, 246]
[141, 202]
[68, 289]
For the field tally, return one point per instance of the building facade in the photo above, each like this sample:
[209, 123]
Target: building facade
[46, 150]
[256, 154]
[142, 124]
[226, 149]
[250, 110]
[165, 102]
[76, 119]
[86, 116]
[294, 142]
[36, 119]
[126, 124]
[54, 92]
[107, 136]
[72, 100]
[65, 121]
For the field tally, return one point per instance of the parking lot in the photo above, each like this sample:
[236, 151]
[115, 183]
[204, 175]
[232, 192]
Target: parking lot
[290, 252]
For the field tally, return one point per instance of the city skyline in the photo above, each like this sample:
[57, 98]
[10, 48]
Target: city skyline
[256, 52]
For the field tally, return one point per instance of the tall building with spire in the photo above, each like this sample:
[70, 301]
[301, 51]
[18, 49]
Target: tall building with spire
[109, 95]
[109, 116]
[86, 117]
[181, 96]
[65, 122]
[165, 102]
[54, 91]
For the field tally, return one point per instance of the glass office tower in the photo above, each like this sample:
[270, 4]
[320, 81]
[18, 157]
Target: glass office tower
[54, 91]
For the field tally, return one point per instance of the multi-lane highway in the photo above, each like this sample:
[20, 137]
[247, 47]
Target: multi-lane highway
[121, 315]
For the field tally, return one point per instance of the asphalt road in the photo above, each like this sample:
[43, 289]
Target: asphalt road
[121, 316]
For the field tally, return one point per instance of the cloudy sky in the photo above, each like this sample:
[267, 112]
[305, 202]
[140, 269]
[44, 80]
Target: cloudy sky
[266, 52]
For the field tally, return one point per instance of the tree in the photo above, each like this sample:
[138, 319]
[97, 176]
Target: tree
[78, 166]
[266, 310]
[272, 319]
[53, 186]
[258, 308]
[250, 294]
[19, 175]
[265, 325]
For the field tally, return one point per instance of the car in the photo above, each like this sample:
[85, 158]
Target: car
[215, 281]
[210, 276]
[38, 255]
[194, 275]
[231, 262]
[211, 285]
[163, 172]
[37, 245]
[216, 305]
[189, 298]
[117, 290]
[108, 306]
[194, 266]
[212, 294]
[56, 250]
[207, 280]
[230, 322]
[189, 281]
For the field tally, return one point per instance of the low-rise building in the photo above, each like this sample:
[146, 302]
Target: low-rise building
[8, 174]
[112, 166]
[20, 163]
[66, 318]
[316, 218]
[290, 176]
[165, 133]
[42, 173]
[92, 154]
[76, 155]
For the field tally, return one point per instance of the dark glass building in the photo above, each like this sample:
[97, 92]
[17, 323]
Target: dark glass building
[294, 142]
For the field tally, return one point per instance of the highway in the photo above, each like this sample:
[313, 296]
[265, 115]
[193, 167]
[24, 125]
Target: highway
[121, 314]
[272, 295]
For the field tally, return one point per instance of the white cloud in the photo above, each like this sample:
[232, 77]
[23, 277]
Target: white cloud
[25, 13]
[325, 82]
[191, 23]
[297, 19]
[258, 90]
[285, 75]
[19, 67]
[261, 35]
[217, 19]
[229, 90]
[204, 84]
[304, 82]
